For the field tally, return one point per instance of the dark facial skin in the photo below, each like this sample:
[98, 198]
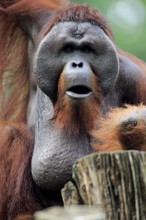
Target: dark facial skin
[79, 43]
[65, 80]
[75, 54]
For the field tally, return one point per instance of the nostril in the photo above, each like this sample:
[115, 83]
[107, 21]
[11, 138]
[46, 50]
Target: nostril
[74, 64]
[80, 65]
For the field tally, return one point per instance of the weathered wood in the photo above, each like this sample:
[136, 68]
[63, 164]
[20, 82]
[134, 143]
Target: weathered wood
[70, 195]
[70, 213]
[114, 182]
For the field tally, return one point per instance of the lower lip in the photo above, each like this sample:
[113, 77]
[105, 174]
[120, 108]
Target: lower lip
[78, 96]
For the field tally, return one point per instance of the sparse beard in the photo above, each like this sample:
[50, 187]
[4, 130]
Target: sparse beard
[75, 117]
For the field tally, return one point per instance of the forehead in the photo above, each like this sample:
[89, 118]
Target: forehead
[75, 30]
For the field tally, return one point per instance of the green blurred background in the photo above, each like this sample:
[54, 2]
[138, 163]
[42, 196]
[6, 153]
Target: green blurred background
[127, 19]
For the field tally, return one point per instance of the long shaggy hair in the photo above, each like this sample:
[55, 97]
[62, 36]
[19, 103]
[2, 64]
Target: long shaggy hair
[14, 72]
[77, 117]
[78, 13]
[19, 196]
[122, 129]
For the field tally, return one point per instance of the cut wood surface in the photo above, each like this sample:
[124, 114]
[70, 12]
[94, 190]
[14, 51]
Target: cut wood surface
[70, 213]
[111, 185]
[114, 182]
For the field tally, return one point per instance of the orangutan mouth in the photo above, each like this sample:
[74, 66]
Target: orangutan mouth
[79, 92]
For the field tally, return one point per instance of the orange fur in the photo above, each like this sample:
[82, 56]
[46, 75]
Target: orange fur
[122, 129]
[24, 217]
[75, 117]
[14, 80]
[19, 196]
[31, 6]
[136, 60]
[13, 71]
[16, 148]
[71, 13]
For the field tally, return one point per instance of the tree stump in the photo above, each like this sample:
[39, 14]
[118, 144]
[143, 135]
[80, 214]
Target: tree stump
[113, 182]
[113, 185]
[70, 213]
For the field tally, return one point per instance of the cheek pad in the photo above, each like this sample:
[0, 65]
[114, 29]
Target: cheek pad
[106, 68]
[49, 64]
[48, 68]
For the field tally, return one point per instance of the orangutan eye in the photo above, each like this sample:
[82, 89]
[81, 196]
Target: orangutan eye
[86, 49]
[68, 48]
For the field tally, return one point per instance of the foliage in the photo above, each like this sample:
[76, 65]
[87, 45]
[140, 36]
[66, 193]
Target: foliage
[128, 21]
